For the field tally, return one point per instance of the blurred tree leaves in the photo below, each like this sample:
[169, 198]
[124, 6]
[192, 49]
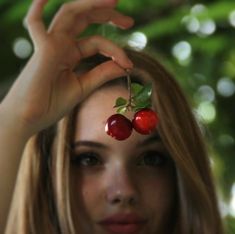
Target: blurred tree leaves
[164, 23]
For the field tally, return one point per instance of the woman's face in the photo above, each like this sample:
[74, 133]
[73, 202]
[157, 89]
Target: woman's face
[121, 187]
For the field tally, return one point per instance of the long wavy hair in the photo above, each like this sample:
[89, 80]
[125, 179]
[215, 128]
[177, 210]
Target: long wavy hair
[42, 199]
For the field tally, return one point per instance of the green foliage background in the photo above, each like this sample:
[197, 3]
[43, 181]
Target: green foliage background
[212, 57]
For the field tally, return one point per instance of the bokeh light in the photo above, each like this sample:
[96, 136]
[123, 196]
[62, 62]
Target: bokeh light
[224, 208]
[137, 40]
[232, 202]
[206, 112]
[207, 27]
[192, 23]
[205, 93]
[22, 48]
[225, 87]
[231, 18]
[198, 9]
[226, 140]
[182, 52]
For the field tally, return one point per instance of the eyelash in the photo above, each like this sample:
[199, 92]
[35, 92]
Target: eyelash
[154, 159]
[148, 158]
[81, 159]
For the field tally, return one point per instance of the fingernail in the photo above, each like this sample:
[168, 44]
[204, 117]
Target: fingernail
[127, 25]
[130, 21]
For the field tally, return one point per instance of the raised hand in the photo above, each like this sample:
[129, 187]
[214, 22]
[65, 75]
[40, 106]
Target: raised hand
[48, 88]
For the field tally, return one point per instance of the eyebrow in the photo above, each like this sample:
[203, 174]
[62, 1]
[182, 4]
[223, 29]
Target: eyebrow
[94, 144]
[152, 139]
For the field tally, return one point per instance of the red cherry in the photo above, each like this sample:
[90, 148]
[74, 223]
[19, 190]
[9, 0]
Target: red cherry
[118, 127]
[145, 121]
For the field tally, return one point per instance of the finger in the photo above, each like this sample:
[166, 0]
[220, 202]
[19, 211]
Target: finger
[65, 18]
[101, 16]
[99, 75]
[98, 44]
[34, 21]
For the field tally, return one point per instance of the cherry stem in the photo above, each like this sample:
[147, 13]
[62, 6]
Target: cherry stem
[129, 89]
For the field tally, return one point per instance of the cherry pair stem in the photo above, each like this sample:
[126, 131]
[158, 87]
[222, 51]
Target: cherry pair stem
[129, 89]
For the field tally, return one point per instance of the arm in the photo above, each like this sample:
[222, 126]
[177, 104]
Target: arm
[12, 141]
[47, 89]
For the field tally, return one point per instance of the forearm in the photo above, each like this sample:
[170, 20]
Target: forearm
[13, 139]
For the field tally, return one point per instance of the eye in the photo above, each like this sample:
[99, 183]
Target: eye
[86, 159]
[153, 159]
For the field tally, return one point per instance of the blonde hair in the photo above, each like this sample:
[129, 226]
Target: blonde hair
[42, 199]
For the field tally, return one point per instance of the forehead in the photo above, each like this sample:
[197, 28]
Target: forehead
[95, 110]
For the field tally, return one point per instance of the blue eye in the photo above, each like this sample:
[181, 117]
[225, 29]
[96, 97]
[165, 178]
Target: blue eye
[86, 159]
[153, 159]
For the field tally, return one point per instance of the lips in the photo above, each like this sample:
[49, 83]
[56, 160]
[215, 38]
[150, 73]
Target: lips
[123, 223]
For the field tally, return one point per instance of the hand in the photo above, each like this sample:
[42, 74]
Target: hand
[47, 88]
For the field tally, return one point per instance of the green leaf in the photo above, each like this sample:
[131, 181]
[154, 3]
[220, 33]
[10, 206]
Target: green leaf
[122, 109]
[120, 102]
[136, 88]
[144, 95]
[141, 105]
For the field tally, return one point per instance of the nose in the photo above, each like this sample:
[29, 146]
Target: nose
[121, 187]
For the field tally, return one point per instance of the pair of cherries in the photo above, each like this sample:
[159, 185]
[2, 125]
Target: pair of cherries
[145, 119]
[144, 122]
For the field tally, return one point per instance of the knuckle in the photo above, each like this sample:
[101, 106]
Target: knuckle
[25, 22]
[29, 20]
[97, 38]
[66, 7]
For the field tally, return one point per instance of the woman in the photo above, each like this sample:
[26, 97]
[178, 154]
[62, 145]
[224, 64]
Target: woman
[73, 177]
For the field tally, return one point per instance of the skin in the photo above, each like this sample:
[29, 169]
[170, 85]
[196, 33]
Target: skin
[48, 88]
[114, 181]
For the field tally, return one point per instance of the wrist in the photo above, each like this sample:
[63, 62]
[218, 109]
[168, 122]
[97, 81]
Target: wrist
[10, 124]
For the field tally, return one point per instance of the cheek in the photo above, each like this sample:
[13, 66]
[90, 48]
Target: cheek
[159, 191]
[157, 181]
[90, 190]
[89, 193]
[84, 196]
[159, 196]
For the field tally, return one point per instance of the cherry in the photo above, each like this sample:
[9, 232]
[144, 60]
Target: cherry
[145, 121]
[118, 127]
